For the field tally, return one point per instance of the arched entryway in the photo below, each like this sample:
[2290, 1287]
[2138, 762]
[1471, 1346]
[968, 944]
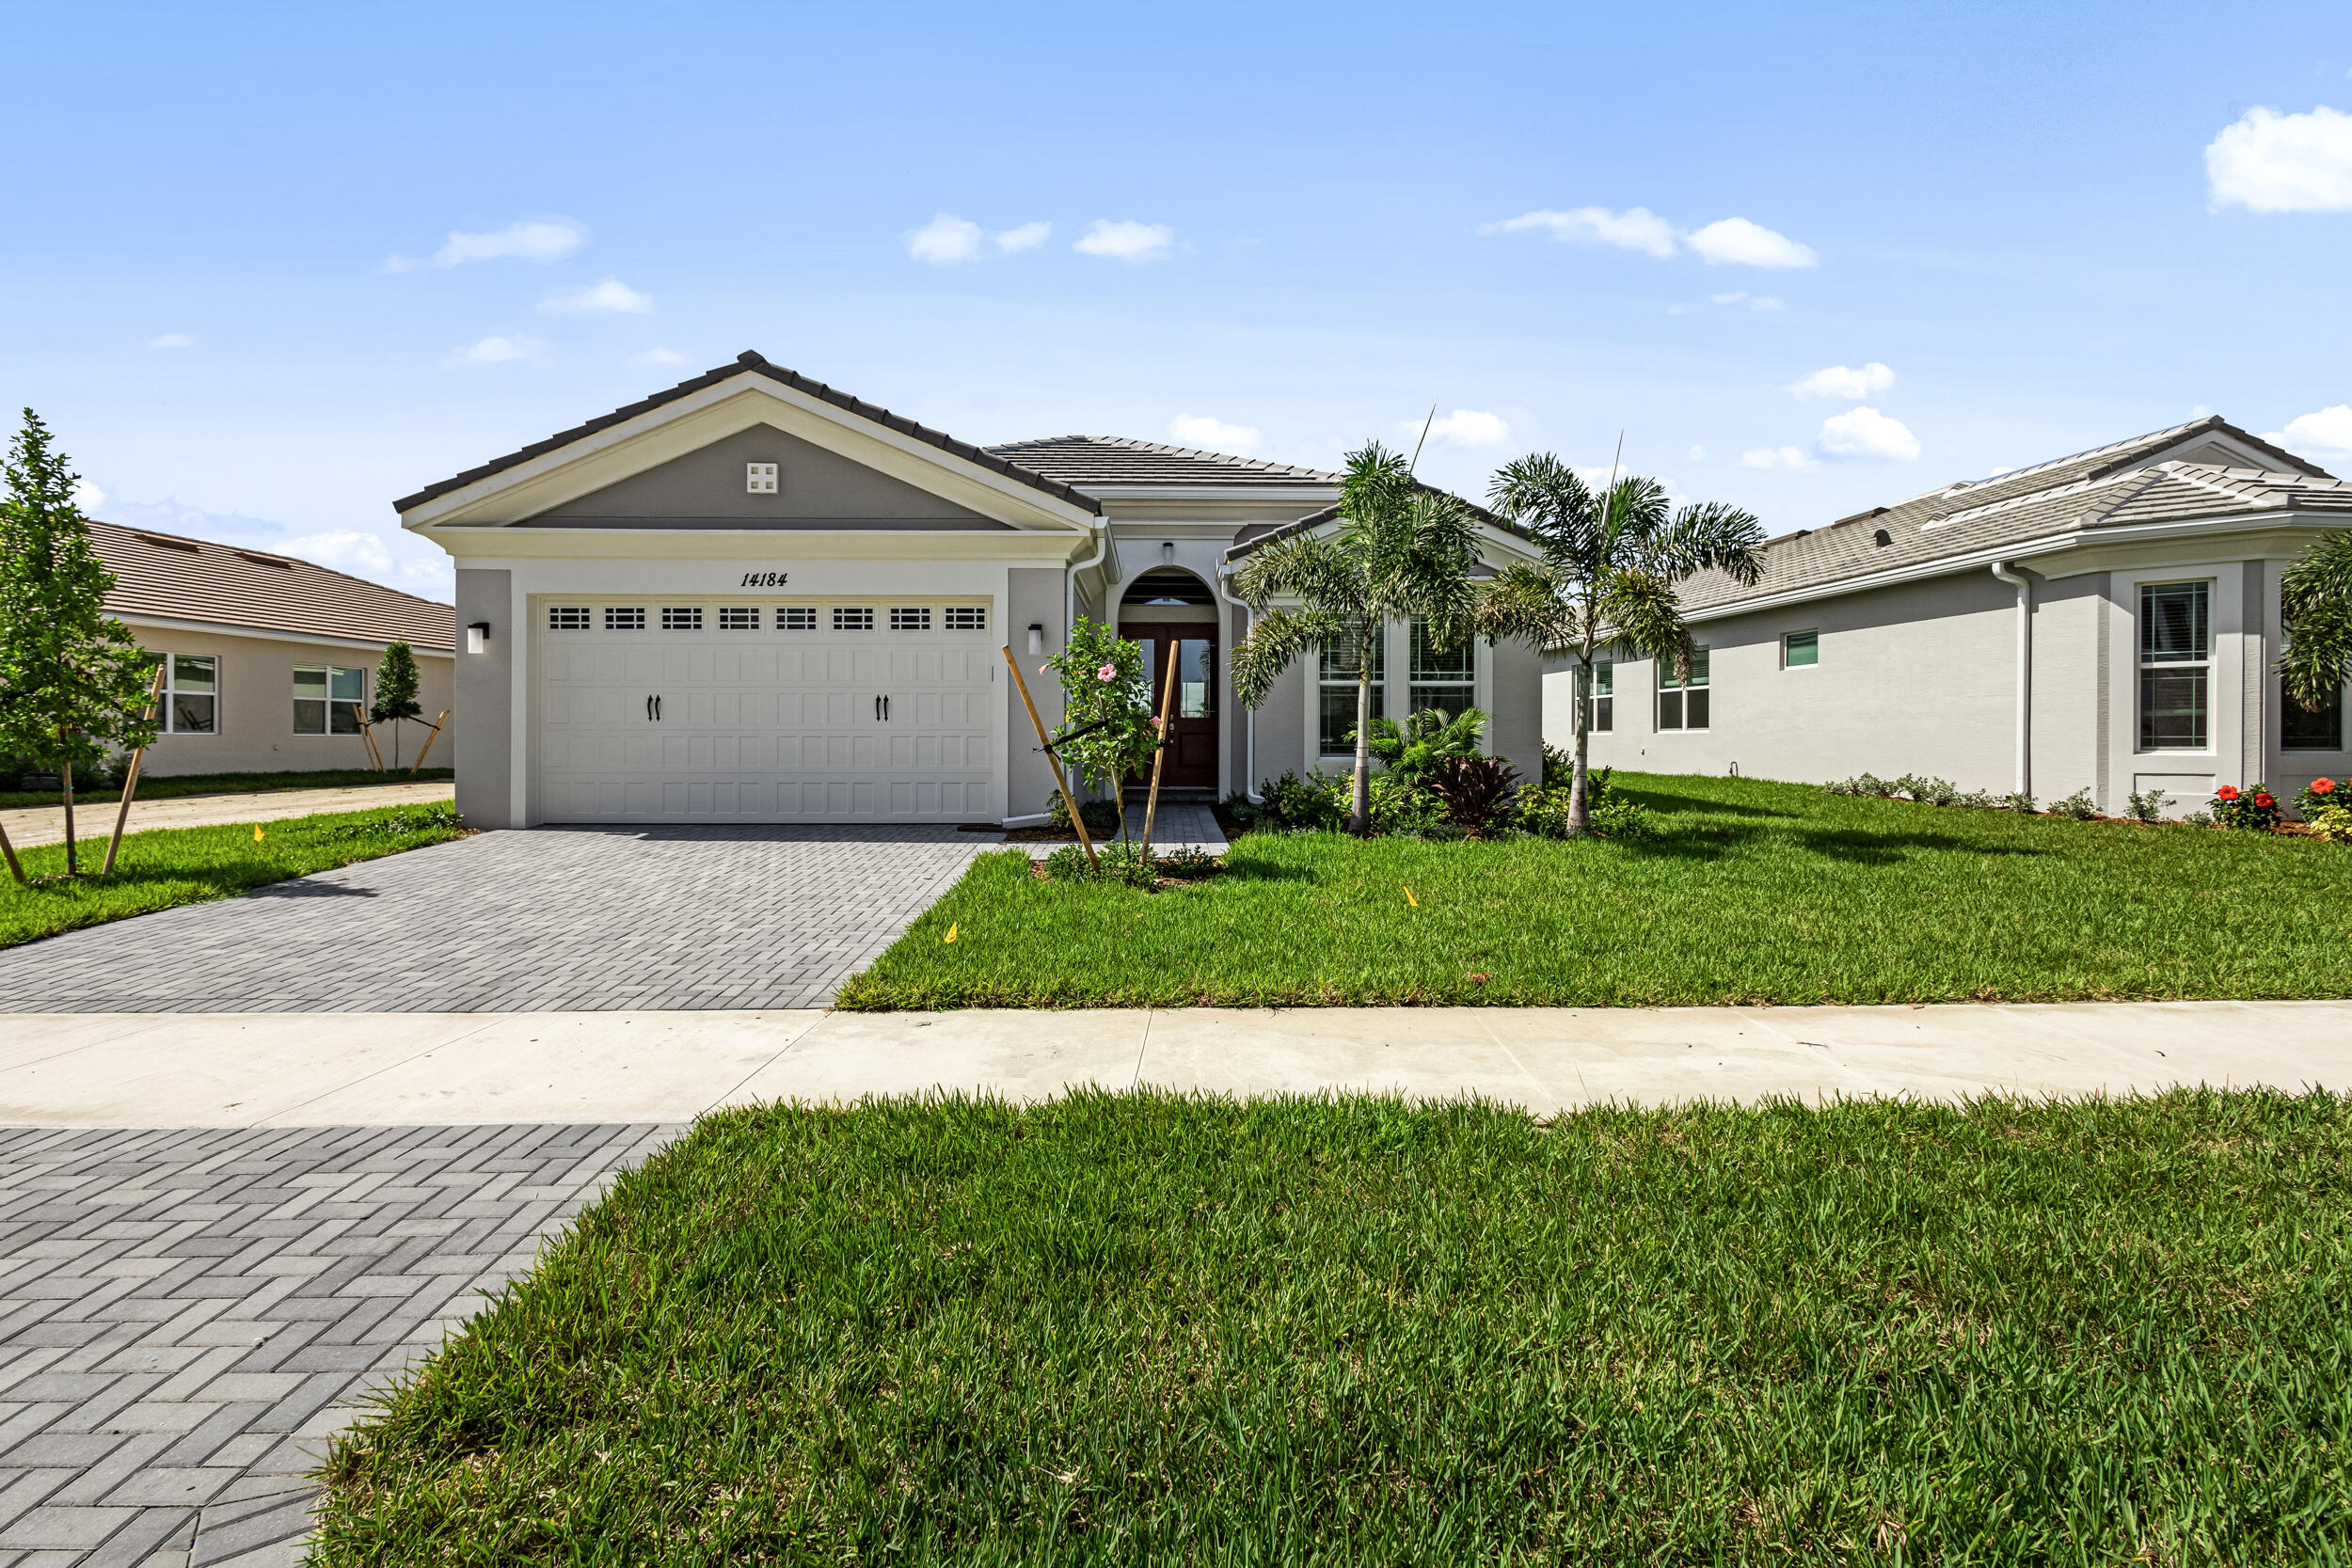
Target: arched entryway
[1173, 612]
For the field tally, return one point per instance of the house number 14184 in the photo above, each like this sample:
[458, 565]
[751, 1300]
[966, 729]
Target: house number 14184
[766, 579]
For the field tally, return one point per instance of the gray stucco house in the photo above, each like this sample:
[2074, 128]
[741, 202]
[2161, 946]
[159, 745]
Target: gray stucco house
[753, 598]
[2106, 621]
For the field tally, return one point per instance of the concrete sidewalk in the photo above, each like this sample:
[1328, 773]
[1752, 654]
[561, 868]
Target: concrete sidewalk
[29, 826]
[292, 1070]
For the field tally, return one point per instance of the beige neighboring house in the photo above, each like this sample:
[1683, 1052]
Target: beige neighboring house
[269, 659]
[2107, 621]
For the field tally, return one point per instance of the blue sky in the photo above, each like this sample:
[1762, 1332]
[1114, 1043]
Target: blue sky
[266, 268]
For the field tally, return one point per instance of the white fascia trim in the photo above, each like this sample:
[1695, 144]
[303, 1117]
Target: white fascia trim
[1324, 494]
[223, 628]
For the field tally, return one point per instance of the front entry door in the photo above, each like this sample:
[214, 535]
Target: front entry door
[1192, 747]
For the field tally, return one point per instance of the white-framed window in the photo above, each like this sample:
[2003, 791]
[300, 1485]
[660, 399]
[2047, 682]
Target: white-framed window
[1335, 677]
[966, 617]
[847, 618]
[630, 619]
[739, 617]
[681, 618]
[909, 618]
[2303, 730]
[567, 617]
[1442, 678]
[1682, 705]
[796, 617]
[327, 699]
[1799, 650]
[2175, 666]
[1600, 691]
[191, 700]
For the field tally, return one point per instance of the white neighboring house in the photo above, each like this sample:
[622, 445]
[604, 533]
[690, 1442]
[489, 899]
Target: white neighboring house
[755, 598]
[2107, 621]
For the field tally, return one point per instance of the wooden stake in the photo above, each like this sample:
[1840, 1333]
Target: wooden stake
[131, 775]
[428, 742]
[9, 850]
[1170, 649]
[1061, 779]
[65, 776]
[367, 739]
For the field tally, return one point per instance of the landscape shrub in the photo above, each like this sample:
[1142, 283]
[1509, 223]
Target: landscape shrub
[2256, 808]
[1102, 817]
[2018, 802]
[2326, 805]
[1301, 804]
[1425, 739]
[2148, 807]
[1188, 862]
[1474, 792]
[1544, 812]
[2078, 805]
[1559, 767]
[1401, 807]
[1119, 860]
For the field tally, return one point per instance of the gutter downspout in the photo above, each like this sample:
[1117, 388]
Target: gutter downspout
[1249, 745]
[2024, 673]
[1070, 610]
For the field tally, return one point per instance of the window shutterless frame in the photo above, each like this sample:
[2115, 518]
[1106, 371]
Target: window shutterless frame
[327, 699]
[1683, 705]
[1600, 691]
[191, 697]
[1336, 670]
[1444, 679]
[1800, 650]
[2175, 666]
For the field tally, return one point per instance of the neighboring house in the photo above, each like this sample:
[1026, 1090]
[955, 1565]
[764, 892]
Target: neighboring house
[268, 660]
[753, 599]
[2107, 621]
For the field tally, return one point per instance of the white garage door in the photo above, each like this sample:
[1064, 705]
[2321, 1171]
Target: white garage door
[736, 710]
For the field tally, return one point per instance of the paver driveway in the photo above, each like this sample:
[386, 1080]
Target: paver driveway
[550, 919]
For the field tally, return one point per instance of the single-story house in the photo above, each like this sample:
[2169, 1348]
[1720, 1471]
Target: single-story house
[755, 598]
[2107, 621]
[268, 660]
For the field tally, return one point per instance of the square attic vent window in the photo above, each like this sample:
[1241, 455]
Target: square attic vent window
[760, 479]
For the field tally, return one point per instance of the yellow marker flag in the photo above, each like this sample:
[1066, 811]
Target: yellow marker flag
[1410, 899]
[951, 933]
[257, 832]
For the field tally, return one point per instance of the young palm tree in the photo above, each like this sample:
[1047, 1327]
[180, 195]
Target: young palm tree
[1399, 550]
[1611, 565]
[2316, 594]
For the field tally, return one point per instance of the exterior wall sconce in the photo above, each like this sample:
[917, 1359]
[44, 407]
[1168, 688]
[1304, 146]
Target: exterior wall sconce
[477, 635]
[1037, 637]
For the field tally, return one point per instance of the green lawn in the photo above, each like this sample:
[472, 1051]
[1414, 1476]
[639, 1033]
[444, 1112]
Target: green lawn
[188, 865]
[221, 783]
[1149, 1329]
[1752, 892]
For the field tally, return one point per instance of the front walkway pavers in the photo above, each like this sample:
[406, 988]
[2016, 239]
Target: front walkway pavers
[569, 920]
[186, 1316]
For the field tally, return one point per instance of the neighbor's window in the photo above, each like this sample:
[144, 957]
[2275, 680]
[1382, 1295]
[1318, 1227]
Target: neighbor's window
[1600, 691]
[2175, 665]
[1337, 678]
[2306, 731]
[1799, 650]
[326, 699]
[1682, 705]
[191, 703]
[1446, 679]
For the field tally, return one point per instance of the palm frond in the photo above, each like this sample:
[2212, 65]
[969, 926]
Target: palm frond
[1706, 535]
[1526, 604]
[1547, 497]
[1279, 638]
[1645, 616]
[1314, 569]
[2316, 602]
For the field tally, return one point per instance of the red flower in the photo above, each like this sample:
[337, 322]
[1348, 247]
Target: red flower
[2227, 792]
[2322, 786]
[2263, 799]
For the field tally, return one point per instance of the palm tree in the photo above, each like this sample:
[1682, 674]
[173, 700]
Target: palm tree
[1401, 550]
[1610, 566]
[2315, 596]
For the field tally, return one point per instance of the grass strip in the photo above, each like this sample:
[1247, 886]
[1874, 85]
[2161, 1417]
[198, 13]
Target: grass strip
[180, 785]
[168, 866]
[1143, 1327]
[1752, 892]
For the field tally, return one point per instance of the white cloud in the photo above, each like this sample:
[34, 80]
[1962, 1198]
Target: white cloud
[2327, 430]
[1867, 432]
[345, 549]
[1766, 302]
[1464, 427]
[172, 339]
[1738, 242]
[1635, 228]
[497, 351]
[1754, 302]
[1027, 236]
[2273, 162]
[1127, 240]
[88, 497]
[611, 295]
[547, 240]
[385, 555]
[1698, 455]
[1846, 381]
[944, 241]
[1791, 458]
[1198, 430]
[657, 356]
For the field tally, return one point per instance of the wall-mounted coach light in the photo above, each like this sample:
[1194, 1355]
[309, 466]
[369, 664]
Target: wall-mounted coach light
[476, 635]
[1037, 637]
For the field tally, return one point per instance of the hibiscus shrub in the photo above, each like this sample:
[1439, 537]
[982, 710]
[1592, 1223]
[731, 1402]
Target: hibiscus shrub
[2256, 808]
[2326, 805]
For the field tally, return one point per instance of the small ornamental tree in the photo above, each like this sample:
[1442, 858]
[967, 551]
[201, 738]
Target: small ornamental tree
[2315, 596]
[396, 692]
[1103, 685]
[74, 682]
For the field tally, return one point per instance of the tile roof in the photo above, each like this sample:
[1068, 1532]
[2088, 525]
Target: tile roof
[2129, 482]
[176, 578]
[1102, 460]
[751, 363]
[1251, 539]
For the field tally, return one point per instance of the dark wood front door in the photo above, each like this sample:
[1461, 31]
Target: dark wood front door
[1192, 748]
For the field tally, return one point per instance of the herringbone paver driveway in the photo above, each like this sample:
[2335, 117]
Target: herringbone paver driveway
[547, 920]
[186, 1316]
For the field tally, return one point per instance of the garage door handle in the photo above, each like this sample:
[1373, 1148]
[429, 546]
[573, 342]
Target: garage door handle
[885, 711]
[648, 710]
[878, 711]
